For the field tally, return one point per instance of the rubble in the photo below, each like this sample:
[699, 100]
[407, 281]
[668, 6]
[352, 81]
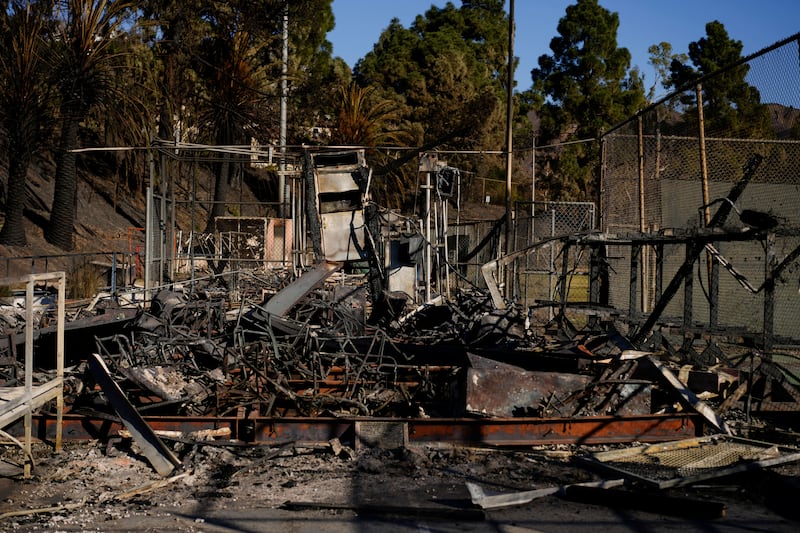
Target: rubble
[237, 488]
[307, 349]
[359, 366]
[684, 462]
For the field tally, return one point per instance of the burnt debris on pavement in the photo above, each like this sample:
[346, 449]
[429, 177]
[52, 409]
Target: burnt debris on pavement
[368, 341]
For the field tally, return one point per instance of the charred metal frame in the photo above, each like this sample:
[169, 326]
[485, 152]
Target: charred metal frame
[693, 242]
[703, 239]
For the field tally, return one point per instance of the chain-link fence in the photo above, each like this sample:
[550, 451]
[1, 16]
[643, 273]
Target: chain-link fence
[729, 142]
[469, 225]
[538, 274]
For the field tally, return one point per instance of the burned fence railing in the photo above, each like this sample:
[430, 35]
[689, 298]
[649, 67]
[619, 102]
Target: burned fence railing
[87, 273]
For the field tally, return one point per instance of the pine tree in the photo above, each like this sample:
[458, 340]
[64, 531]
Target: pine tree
[584, 87]
[448, 73]
[732, 107]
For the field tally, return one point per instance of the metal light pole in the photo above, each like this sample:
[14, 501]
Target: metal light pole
[509, 124]
[509, 141]
[284, 91]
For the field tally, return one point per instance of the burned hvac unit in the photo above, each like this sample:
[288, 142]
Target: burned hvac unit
[341, 180]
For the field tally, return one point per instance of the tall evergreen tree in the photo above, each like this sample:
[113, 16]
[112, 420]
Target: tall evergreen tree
[584, 87]
[448, 71]
[448, 65]
[732, 107]
[315, 75]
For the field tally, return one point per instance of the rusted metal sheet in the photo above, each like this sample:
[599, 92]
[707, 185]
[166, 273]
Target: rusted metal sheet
[503, 390]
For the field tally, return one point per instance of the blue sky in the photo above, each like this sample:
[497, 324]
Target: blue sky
[757, 23]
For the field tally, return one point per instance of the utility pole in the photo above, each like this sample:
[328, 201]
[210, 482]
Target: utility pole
[509, 143]
[284, 96]
[509, 125]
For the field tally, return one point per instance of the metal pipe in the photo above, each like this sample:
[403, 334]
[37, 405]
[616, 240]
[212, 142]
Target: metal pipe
[509, 129]
[642, 264]
[428, 243]
[284, 96]
[148, 247]
[701, 136]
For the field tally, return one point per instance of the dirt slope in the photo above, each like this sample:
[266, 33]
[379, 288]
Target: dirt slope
[99, 225]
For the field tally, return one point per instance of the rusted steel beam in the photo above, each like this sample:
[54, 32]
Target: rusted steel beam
[486, 432]
[534, 431]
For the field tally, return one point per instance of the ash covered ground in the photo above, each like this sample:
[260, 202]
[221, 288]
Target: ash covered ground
[96, 486]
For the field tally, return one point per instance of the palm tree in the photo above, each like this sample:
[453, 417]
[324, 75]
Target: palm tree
[235, 82]
[130, 121]
[366, 119]
[83, 61]
[24, 109]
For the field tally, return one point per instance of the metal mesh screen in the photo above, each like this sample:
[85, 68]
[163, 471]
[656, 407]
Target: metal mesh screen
[684, 462]
[537, 274]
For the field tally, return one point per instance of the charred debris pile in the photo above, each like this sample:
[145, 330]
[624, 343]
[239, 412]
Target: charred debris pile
[332, 340]
[310, 347]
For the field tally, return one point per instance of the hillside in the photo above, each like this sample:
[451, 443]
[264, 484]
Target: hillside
[99, 225]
